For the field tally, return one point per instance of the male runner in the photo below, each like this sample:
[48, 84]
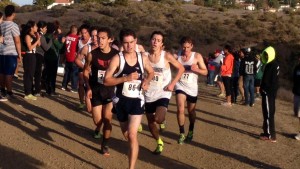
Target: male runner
[101, 96]
[187, 87]
[161, 86]
[126, 71]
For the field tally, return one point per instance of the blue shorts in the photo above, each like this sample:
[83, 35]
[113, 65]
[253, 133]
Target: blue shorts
[128, 106]
[8, 64]
[150, 107]
[191, 99]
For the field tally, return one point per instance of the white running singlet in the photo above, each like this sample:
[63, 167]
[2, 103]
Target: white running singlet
[189, 80]
[162, 77]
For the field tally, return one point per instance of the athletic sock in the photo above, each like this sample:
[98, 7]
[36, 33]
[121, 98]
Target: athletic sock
[191, 127]
[104, 142]
[3, 92]
[181, 129]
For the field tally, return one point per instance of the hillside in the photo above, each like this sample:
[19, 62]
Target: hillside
[211, 28]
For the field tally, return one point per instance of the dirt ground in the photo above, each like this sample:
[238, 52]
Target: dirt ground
[52, 133]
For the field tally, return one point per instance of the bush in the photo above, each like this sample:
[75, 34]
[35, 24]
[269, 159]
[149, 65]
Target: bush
[29, 8]
[58, 11]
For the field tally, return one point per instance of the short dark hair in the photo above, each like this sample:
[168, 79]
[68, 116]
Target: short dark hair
[106, 30]
[9, 10]
[51, 28]
[1, 14]
[186, 39]
[229, 48]
[158, 33]
[41, 25]
[126, 32]
[84, 26]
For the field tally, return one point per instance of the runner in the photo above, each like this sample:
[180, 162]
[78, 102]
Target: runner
[130, 82]
[101, 96]
[161, 86]
[82, 55]
[80, 60]
[187, 87]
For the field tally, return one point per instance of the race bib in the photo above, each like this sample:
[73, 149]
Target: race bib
[101, 74]
[187, 77]
[157, 79]
[132, 89]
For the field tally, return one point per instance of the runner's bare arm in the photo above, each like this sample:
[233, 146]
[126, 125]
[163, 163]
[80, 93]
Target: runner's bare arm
[86, 69]
[150, 72]
[81, 55]
[180, 69]
[199, 67]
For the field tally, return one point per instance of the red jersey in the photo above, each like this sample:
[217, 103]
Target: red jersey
[71, 46]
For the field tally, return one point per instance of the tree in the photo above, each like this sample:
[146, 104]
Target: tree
[44, 3]
[274, 3]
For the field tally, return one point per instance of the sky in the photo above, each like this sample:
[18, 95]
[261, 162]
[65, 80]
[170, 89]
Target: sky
[23, 2]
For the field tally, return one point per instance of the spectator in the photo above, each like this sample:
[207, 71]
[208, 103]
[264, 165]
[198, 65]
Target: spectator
[248, 71]
[226, 73]
[51, 59]
[296, 91]
[268, 90]
[31, 40]
[10, 50]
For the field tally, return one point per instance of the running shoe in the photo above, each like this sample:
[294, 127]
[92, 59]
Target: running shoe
[105, 151]
[97, 134]
[81, 106]
[222, 95]
[3, 99]
[226, 104]
[266, 137]
[30, 97]
[181, 138]
[62, 88]
[158, 149]
[140, 129]
[297, 137]
[74, 91]
[189, 136]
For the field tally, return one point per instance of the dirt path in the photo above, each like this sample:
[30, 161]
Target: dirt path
[52, 133]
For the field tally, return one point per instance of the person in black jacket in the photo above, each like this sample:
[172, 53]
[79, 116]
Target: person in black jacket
[268, 90]
[248, 71]
[296, 91]
[40, 51]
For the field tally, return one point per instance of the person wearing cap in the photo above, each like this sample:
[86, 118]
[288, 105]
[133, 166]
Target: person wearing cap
[268, 91]
[248, 71]
[226, 73]
[296, 91]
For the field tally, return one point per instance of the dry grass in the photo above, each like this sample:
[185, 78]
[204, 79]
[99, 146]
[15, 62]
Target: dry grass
[211, 28]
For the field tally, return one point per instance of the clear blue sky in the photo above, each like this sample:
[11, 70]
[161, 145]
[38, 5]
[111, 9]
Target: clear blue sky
[23, 2]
